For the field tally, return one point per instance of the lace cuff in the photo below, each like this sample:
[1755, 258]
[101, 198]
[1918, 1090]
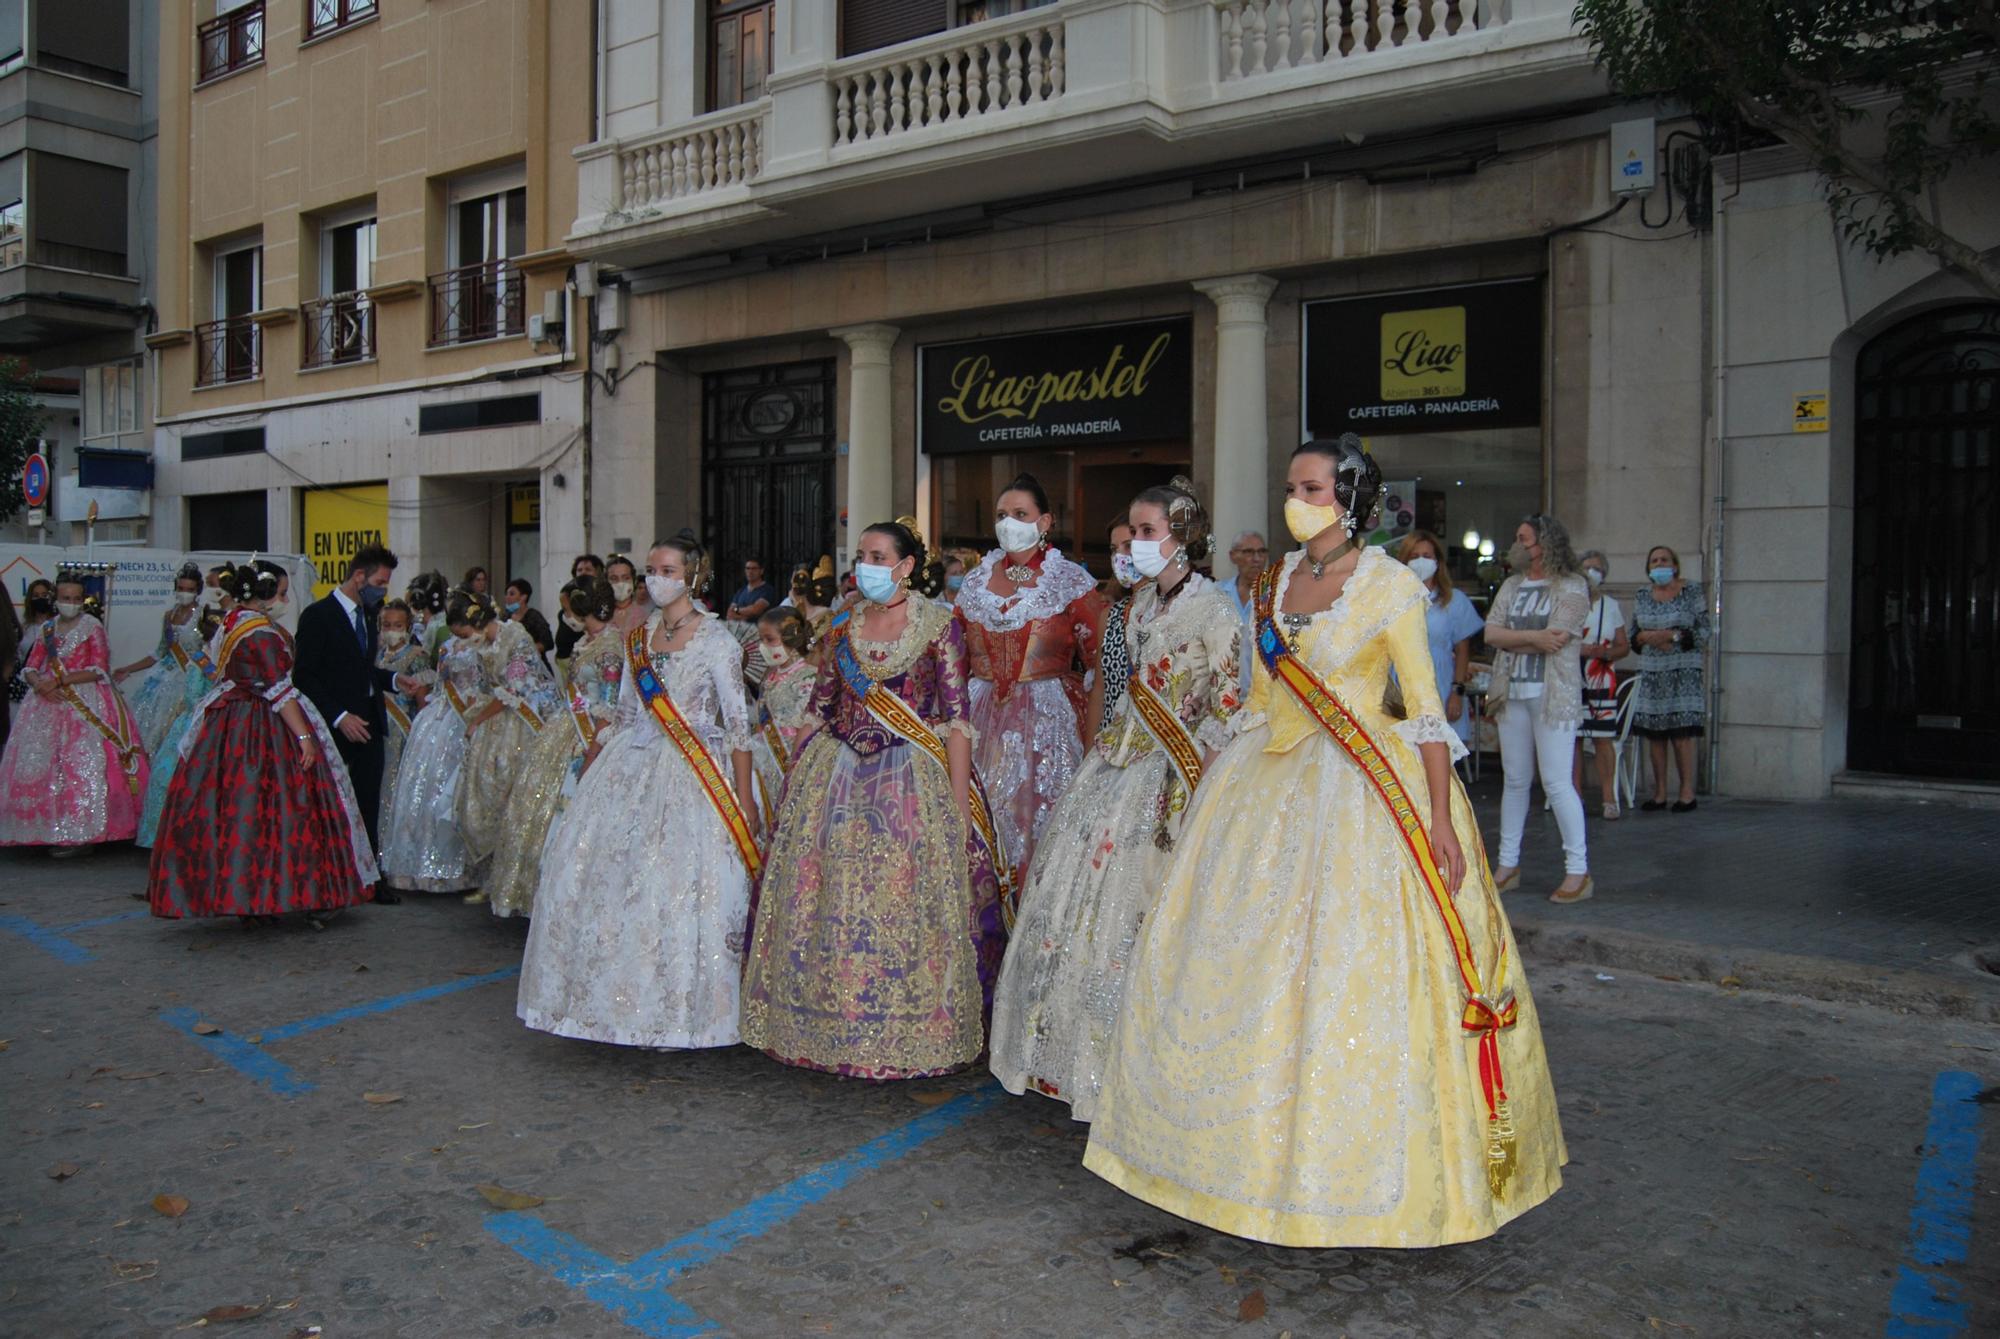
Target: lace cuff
[1215, 734]
[1431, 730]
[279, 693]
[946, 729]
[736, 740]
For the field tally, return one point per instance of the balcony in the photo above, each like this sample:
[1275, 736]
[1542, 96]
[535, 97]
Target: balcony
[228, 351]
[231, 42]
[477, 302]
[330, 16]
[1066, 95]
[339, 329]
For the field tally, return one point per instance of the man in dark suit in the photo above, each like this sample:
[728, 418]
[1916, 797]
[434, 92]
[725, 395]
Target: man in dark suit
[335, 668]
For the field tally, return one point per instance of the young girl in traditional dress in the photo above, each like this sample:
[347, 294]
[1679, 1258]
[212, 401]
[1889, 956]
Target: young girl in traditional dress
[402, 653]
[74, 773]
[595, 668]
[260, 818]
[421, 849]
[637, 937]
[426, 595]
[1106, 850]
[173, 681]
[786, 718]
[813, 593]
[1326, 1038]
[877, 930]
[520, 701]
[1033, 621]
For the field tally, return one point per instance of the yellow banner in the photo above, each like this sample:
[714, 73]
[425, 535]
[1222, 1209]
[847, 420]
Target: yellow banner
[339, 522]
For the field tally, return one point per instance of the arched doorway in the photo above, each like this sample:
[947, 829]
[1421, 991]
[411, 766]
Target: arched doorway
[1924, 683]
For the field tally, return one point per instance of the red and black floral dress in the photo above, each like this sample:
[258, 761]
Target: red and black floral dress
[248, 829]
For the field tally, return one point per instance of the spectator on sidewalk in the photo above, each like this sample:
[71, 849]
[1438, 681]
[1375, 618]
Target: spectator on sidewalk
[1450, 623]
[1116, 663]
[1537, 695]
[1669, 630]
[514, 602]
[477, 581]
[585, 568]
[754, 598]
[1250, 554]
[1604, 645]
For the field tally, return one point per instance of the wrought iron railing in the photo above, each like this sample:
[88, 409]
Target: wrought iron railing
[231, 349]
[232, 41]
[325, 16]
[477, 302]
[339, 329]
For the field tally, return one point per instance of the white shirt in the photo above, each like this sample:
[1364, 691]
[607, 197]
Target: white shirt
[348, 607]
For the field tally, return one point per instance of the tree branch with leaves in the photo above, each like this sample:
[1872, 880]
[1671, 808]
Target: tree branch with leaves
[22, 419]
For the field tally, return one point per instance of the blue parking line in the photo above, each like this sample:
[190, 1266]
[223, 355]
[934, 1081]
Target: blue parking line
[249, 1058]
[640, 1293]
[1926, 1302]
[107, 920]
[48, 941]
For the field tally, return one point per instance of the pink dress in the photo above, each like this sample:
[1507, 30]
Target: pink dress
[62, 781]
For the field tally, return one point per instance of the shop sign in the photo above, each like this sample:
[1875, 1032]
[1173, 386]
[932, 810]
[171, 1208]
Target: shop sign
[339, 523]
[524, 507]
[1436, 360]
[1809, 412]
[1053, 389]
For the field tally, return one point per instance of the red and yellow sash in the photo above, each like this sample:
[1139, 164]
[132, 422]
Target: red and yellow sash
[237, 635]
[396, 713]
[579, 715]
[457, 699]
[774, 740]
[720, 794]
[117, 732]
[896, 716]
[1167, 730]
[1483, 1015]
[198, 659]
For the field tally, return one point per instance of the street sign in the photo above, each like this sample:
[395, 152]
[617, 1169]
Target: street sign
[35, 518]
[1809, 412]
[35, 480]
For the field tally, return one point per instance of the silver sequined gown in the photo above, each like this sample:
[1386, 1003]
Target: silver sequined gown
[421, 848]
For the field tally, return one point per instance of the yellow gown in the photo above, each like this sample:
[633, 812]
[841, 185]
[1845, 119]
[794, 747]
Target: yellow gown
[1289, 1065]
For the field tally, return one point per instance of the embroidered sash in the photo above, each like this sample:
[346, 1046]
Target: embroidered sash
[894, 715]
[1483, 1015]
[396, 712]
[654, 694]
[457, 699]
[580, 717]
[236, 636]
[118, 732]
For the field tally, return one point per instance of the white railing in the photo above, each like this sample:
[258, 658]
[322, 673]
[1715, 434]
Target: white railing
[727, 150]
[973, 74]
[1261, 36]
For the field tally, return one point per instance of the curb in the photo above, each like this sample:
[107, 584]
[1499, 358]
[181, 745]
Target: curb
[1974, 996]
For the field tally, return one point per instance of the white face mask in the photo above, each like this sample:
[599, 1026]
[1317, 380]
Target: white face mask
[665, 590]
[276, 608]
[1424, 566]
[393, 640]
[1595, 577]
[621, 591]
[1123, 568]
[184, 598]
[774, 656]
[572, 622]
[1149, 558]
[68, 608]
[1016, 535]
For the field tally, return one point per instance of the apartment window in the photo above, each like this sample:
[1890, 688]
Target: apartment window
[340, 324]
[482, 294]
[229, 522]
[91, 41]
[13, 211]
[230, 347]
[80, 214]
[978, 11]
[325, 16]
[866, 25]
[233, 40]
[110, 400]
[739, 52]
[13, 34]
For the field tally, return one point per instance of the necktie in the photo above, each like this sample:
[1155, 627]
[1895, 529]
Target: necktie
[360, 628]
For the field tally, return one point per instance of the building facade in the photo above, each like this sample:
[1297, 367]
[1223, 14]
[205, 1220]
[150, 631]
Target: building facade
[367, 325]
[78, 154]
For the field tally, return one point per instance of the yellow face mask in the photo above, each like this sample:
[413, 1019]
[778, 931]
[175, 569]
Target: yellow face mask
[1305, 520]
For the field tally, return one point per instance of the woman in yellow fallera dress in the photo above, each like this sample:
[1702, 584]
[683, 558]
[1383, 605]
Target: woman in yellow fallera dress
[1327, 1039]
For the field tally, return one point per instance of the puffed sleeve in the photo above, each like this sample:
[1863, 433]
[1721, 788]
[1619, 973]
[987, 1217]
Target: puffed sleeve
[954, 682]
[1409, 654]
[725, 662]
[1222, 643]
[1087, 615]
[262, 664]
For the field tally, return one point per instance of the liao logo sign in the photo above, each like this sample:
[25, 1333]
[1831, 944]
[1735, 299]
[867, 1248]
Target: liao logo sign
[1423, 353]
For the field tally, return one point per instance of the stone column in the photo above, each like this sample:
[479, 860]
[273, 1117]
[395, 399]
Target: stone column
[871, 462]
[1242, 417]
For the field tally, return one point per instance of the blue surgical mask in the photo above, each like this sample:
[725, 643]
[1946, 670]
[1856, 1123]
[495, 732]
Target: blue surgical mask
[955, 581]
[513, 606]
[1660, 575]
[371, 595]
[877, 583]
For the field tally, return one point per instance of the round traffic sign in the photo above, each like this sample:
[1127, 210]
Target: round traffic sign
[35, 480]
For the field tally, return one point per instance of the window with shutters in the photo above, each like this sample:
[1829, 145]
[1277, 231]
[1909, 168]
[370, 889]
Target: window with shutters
[866, 25]
[978, 11]
[739, 52]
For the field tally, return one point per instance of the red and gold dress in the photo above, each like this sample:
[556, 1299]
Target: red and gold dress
[1034, 654]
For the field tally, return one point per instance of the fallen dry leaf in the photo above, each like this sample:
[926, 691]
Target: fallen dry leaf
[5, 1044]
[255, 1038]
[1727, 981]
[305, 1332]
[173, 1206]
[360, 966]
[1253, 1306]
[931, 1099]
[142, 1074]
[292, 1305]
[502, 1198]
[1659, 1324]
[136, 1271]
[206, 1029]
[482, 1125]
[381, 1099]
[93, 1106]
[63, 1171]
[241, 1311]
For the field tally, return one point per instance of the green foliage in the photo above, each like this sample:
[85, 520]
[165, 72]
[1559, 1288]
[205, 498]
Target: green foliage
[21, 423]
[1884, 97]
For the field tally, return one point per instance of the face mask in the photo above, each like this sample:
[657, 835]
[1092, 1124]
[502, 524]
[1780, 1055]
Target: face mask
[40, 604]
[774, 656]
[1661, 575]
[622, 590]
[572, 622]
[1424, 567]
[1593, 576]
[1148, 557]
[393, 641]
[955, 582]
[877, 583]
[1016, 535]
[68, 608]
[1125, 570]
[513, 606]
[1306, 521]
[1519, 558]
[184, 598]
[372, 595]
[665, 590]
[277, 608]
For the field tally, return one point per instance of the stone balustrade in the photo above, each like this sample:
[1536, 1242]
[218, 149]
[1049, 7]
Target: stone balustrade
[967, 74]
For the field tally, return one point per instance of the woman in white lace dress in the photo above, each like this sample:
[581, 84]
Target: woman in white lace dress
[421, 847]
[637, 937]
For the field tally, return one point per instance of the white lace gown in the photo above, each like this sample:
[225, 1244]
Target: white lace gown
[638, 932]
[421, 846]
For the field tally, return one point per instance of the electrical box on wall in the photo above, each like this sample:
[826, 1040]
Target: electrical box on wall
[1634, 155]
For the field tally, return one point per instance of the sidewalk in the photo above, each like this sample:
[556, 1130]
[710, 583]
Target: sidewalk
[1842, 900]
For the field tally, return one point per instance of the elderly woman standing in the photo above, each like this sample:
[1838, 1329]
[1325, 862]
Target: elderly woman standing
[1537, 695]
[1670, 633]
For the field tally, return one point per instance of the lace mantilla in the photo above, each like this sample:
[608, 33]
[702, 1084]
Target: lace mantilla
[925, 621]
[1061, 584]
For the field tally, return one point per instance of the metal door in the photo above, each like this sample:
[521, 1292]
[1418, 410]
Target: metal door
[767, 469]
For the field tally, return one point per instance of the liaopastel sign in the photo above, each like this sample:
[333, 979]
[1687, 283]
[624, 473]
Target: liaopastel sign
[1057, 388]
[1438, 360]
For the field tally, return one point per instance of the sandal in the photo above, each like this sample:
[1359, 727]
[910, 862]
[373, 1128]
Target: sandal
[1583, 894]
[1510, 883]
[1611, 814]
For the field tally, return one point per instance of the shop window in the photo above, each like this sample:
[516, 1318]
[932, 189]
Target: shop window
[229, 522]
[91, 41]
[739, 53]
[110, 400]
